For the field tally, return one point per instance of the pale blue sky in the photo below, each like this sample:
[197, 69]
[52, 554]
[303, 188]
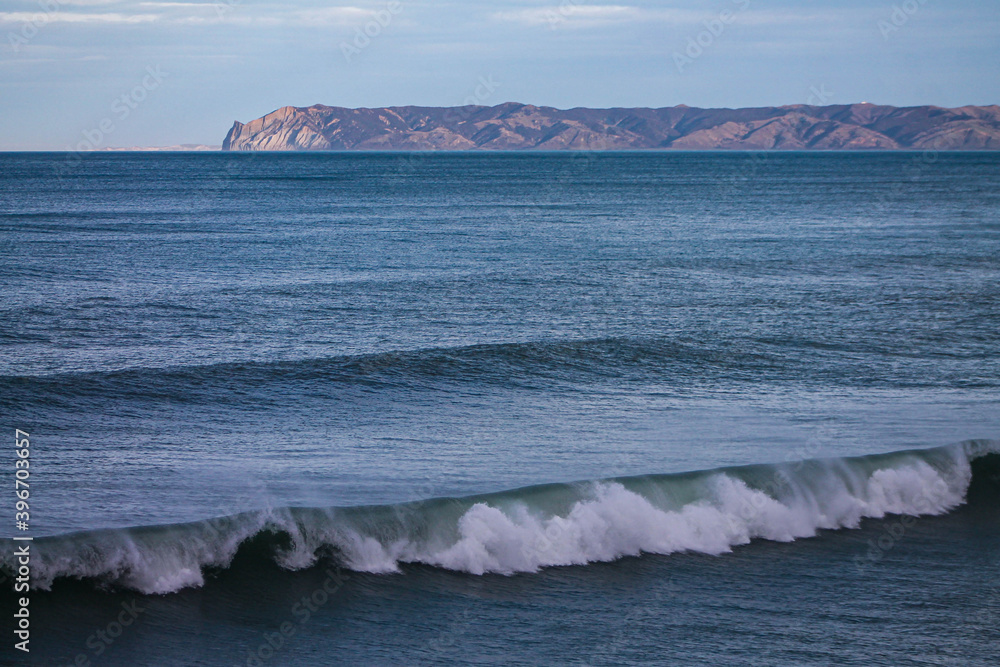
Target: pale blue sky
[187, 68]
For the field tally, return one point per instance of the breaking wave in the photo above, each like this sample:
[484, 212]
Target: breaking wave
[526, 529]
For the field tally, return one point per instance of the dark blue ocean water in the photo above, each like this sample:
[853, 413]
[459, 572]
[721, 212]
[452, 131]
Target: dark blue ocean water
[269, 355]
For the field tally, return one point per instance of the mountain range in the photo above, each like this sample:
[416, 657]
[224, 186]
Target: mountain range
[513, 126]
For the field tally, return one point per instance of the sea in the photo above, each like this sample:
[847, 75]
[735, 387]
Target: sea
[498, 408]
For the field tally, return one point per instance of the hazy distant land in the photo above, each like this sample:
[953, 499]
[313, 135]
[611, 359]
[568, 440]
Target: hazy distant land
[177, 148]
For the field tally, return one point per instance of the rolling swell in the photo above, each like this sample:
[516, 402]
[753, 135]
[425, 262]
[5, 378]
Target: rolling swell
[523, 530]
[520, 364]
[547, 364]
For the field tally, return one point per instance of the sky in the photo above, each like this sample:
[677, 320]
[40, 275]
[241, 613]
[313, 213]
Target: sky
[113, 73]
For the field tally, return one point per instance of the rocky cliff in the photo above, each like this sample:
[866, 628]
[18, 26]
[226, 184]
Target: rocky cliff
[513, 126]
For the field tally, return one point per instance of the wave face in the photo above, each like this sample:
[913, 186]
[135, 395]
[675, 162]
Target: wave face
[526, 529]
[688, 363]
[500, 364]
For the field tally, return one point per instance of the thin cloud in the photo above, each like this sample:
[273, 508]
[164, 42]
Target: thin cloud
[593, 15]
[76, 17]
[194, 13]
[567, 12]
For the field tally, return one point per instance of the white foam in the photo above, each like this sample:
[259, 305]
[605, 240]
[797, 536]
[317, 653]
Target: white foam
[502, 535]
[615, 522]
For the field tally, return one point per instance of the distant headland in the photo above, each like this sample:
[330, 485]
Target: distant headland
[513, 126]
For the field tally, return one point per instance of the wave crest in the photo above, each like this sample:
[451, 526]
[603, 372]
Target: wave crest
[524, 530]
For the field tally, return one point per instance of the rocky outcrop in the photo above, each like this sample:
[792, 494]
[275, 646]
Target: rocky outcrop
[514, 126]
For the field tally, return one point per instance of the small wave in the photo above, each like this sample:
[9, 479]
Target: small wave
[524, 530]
[516, 364]
[682, 364]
